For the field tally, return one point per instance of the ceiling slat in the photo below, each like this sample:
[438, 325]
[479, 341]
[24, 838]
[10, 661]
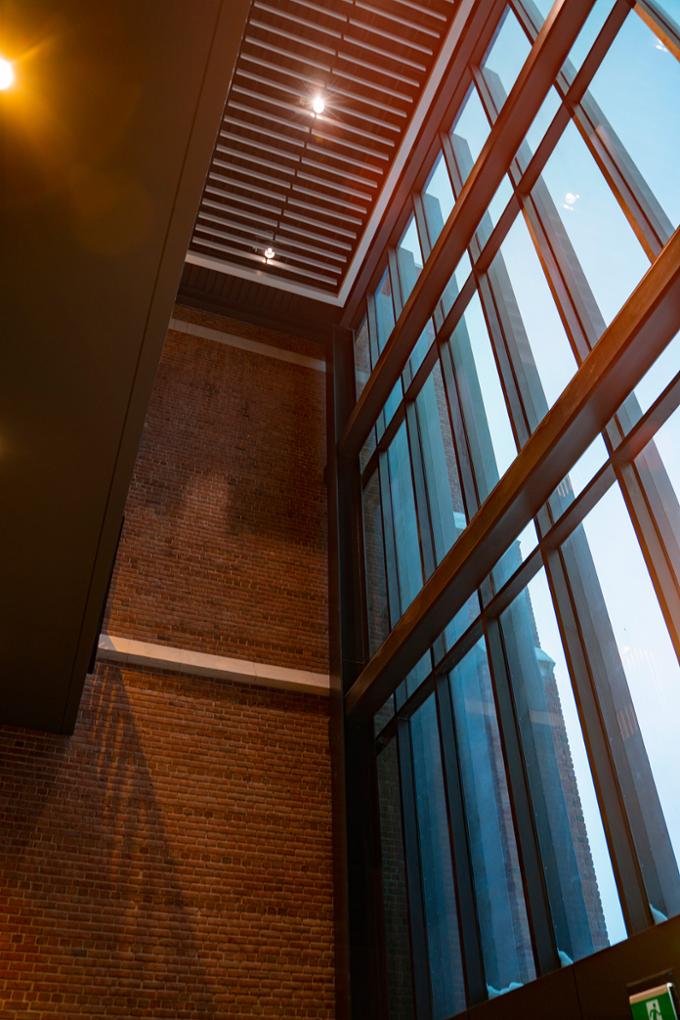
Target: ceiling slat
[301, 181]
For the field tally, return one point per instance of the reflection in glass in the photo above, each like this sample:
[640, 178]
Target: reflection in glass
[638, 681]
[603, 241]
[492, 444]
[404, 521]
[540, 351]
[395, 904]
[638, 87]
[384, 311]
[422, 346]
[585, 468]
[446, 975]
[443, 486]
[409, 259]
[456, 282]
[391, 405]
[655, 380]
[659, 467]
[541, 122]
[469, 132]
[437, 199]
[504, 931]
[582, 892]
[374, 565]
[507, 54]
[514, 556]
[494, 210]
[362, 357]
[587, 36]
[442, 479]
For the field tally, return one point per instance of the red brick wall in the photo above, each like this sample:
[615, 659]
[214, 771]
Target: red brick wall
[172, 859]
[224, 546]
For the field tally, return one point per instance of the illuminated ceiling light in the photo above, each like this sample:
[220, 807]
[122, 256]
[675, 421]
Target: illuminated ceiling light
[6, 74]
[269, 254]
[318, 104]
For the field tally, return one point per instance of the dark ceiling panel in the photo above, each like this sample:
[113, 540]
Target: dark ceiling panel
[105, 142]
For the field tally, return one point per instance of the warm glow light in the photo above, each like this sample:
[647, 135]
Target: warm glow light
[6, 74]
[269, 253]
[318, 104]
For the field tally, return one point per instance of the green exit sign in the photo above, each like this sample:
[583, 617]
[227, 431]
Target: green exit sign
[655, 1004]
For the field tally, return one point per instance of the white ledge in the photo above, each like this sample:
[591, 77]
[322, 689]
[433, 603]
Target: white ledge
[246, 344]
[219, 667]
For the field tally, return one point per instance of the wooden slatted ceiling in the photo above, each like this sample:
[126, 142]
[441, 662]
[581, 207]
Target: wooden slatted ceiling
[304, 184]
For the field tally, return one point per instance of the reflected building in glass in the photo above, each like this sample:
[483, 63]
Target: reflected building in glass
[524, 754]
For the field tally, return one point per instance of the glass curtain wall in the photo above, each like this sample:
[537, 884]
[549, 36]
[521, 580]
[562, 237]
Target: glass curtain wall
[551, 698]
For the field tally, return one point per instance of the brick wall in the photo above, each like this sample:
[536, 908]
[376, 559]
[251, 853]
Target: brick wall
[170, 859]
[173, 859]
[224, 545]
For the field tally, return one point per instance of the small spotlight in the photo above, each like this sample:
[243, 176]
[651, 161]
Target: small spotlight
[6, 74]
[269, 254]
[318, 104]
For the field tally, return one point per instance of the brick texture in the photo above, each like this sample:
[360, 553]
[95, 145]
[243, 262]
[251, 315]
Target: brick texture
[224, 545]
[171, 859]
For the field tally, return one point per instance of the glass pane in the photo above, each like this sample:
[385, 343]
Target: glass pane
[506, 57]
[654, 382]
[437, 199]
[383, 715]
[494, 210]
[409, 259]
[583, 898]
[593, 223]
[638, 682]
[395, 903]
[448, 993]
[469, 132]
[587, 36]
[489, 433]
[422, 346]
[659, 468]
[514, 556]
[362, 357]
[585, 468]
[374, 565]
[651, 386]
[403, 508]
[540, 351]
[384, 311]
[442, 480]
[638, 88]
[540, 124]
[415, 678]
[391, 406]
[506, 943]
[456, 281]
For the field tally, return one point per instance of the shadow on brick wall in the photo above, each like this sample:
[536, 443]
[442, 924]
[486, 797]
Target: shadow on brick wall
[94, 921]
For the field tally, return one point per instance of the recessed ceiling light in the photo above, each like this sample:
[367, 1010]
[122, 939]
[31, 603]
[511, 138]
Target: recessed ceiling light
[318, 104]
[6, 74]
[269, 253]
